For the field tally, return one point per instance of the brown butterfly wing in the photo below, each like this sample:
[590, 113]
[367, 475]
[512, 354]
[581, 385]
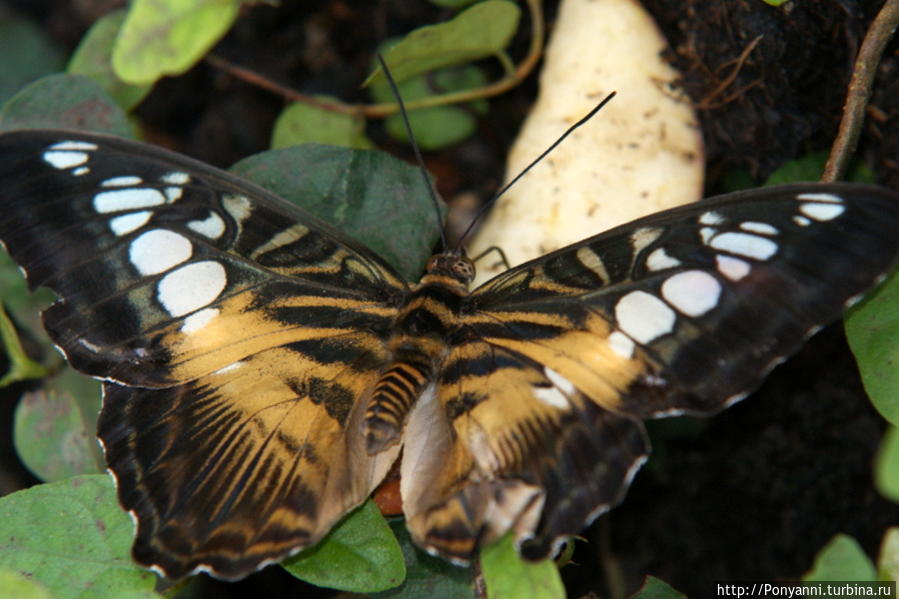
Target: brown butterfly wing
[237, 334]
[555, 362]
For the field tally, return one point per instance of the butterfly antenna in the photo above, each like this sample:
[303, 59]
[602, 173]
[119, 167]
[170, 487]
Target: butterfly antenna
[421, 162]
[552, 147]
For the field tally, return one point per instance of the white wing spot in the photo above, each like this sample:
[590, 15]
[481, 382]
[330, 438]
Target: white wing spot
[198, 320]
[693, 292]
[660, 260]
[212, 226]
[128, 223]
[239, 207]
[643, 237]
[622, 345]
[191, 287]
[821, 212]
[127, 199]
[732, 268]
[158, 250]
[706, 233]
[821, 197]
[81, 170]
[711, 218]
[74, 145]
[552, 396]
[744, 244]
[801, 221]
[64, 160]
[175, 178]
[763, 228]
[228, 368]
[124, 181]
[644, 317]
[173, 194]
[566, 386]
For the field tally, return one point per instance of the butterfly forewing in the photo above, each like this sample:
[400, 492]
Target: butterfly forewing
[249, 349]
[159, 259]
[239, 330]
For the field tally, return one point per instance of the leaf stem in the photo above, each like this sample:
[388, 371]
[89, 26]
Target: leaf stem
[514, 76]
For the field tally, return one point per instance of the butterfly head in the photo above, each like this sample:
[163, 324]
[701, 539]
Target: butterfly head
[456, 266]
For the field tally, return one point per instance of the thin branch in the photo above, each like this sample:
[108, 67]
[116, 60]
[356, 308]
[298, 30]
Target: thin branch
[879, 33]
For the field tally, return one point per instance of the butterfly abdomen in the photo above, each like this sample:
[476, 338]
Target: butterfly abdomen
[418, 346]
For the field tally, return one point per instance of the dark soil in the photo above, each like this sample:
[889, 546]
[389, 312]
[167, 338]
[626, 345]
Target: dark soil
[752, 493]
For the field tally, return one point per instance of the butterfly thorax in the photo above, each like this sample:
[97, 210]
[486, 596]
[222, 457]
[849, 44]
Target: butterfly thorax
[418, 346]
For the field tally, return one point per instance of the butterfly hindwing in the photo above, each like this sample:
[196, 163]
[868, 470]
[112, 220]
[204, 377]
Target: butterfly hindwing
[556, 361]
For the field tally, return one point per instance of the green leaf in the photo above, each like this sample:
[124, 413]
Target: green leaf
[886, 466]
[480, 31]
[373, 197]
[72, 537]
[810, 167]
[653, 588]
[441, 126]
[508, 576]
[93, 58]
[888, 561]
[52, 438]
[872, 329]
[64, 101]
[427, 576]
[14, 584]
[302, 123]
[167, 37]
[27, 53]
[841, 559]
[360, 554]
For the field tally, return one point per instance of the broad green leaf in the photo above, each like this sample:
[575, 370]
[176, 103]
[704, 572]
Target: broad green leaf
[64, 101]
[52, 438]
[888, 561]
[14, 584]
[872, 329]
[167, 37]
[441, 126]
[886, 466]
[480, 31]
[27, 53]
[508, 576]
[302, 123]
[72, 537]
[93, 58]
[841, 559]
[360, 554]
[371, 196]
[653, 588]
[427, 576]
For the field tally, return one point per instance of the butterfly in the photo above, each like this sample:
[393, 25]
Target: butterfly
[262, 371]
